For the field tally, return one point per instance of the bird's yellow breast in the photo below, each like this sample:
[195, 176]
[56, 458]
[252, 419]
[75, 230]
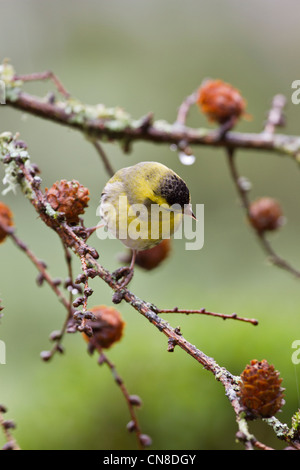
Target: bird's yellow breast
[133, 209]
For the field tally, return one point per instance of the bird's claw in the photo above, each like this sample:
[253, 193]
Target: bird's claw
[124, 273]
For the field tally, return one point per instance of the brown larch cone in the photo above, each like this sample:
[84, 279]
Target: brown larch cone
[69, 198]
[220, 101]
[260, 390]
[107, 329]
[151, 258]
[6, 219]
[265, 214]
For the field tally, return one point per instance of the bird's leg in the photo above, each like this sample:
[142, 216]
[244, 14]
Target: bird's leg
[126, 272]
[131, 267]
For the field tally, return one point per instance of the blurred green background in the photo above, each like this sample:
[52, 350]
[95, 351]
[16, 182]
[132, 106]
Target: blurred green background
[148, 56]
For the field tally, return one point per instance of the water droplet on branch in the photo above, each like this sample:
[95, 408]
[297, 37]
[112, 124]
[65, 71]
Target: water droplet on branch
[186, 159]
[244, 183]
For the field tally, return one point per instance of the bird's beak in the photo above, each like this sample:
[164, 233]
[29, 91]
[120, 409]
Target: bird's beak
[188, 211]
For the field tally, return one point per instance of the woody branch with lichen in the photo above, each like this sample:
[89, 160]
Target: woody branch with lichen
[62, 206]
[19, 171]
[99, 122]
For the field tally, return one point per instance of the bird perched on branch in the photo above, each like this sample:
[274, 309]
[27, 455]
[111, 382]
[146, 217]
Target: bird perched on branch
[143, 204]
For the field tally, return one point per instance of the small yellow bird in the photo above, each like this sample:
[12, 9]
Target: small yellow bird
[143, 204]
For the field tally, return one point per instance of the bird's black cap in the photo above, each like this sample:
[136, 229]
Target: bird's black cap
[174, 190]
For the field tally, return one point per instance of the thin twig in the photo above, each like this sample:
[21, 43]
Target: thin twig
[275, 116]
[203, 311]
[84, 300]
[57, 336]
[7, 426]
[47, 75]
[243, 194]
[119, 381]
[45, 276]
[104, 158]
[70, 280]
[259, 445]
[184, 109]
[40, 266]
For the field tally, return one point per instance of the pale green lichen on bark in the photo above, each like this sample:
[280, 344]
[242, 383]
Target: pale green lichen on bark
[11, 170]
[12, 86]
[12, 94]
[7, 73]
[296, 421]
[294, 432]
[243, 428]
[9, 149]
[115, 118]
[26, 189]
[288, 146]
[5, 138]
[280, 429]
[163, 126]
[50, 211]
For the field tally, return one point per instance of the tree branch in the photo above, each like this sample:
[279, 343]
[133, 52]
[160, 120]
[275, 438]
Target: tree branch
[18, 163]
[261, 235]
[132, 402]
[7, 427]
[99, 122]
